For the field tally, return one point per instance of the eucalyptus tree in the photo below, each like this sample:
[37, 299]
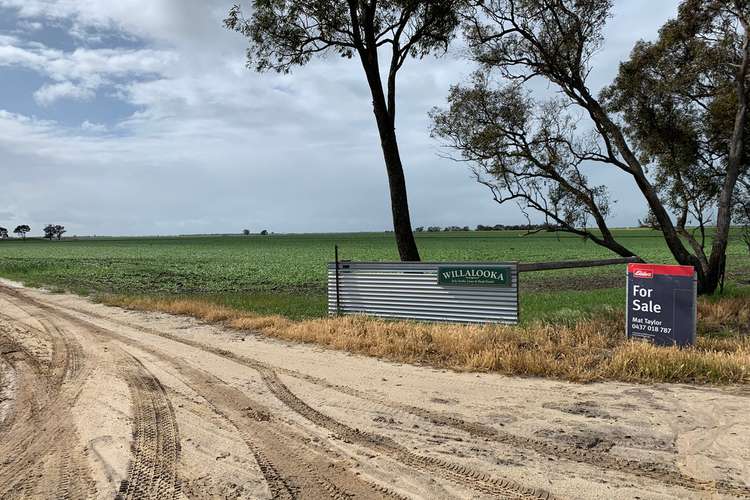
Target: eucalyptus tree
[21, 230]
[684, 99]
[382, 34]
[647, 128]
[54, 231]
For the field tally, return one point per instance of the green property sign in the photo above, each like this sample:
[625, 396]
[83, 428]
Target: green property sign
[474, 276]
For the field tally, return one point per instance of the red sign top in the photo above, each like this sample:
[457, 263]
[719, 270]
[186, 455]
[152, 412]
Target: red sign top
[649, 270]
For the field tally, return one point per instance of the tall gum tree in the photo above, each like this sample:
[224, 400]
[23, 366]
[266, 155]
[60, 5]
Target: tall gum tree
[683, 99]
[535, 153]
[287, 33]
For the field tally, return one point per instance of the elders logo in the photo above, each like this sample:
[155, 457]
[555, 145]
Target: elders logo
[643, 273]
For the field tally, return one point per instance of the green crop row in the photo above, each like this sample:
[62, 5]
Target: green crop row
[295, 263]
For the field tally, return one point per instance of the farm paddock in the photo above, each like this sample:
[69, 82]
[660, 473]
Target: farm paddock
[231, 395]
[286, 274]
[572, 320]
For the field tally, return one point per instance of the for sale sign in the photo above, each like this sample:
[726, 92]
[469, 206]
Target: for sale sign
[661, 304]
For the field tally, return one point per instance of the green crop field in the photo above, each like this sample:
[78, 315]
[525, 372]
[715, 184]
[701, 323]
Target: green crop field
[286, 273]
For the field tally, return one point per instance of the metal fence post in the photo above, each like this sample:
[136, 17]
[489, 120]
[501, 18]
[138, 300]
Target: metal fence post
[338, 296]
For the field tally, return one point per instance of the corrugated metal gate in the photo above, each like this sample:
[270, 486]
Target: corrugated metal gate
[411, 290]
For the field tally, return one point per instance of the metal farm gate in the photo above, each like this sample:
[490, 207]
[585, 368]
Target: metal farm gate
[463, 292]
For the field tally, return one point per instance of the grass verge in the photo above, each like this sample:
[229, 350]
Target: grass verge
[296, 306]
[557, 305]
[580, 347]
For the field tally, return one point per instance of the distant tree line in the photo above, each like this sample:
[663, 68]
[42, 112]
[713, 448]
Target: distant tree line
[438, 229]
[51, 231]
[520, 227]
[19, 230]
[496, 227]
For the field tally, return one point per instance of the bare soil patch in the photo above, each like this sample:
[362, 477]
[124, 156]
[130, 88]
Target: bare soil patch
[539, 282]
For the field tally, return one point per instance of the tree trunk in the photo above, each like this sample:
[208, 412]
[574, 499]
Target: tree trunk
[670, 233]
[734, 164]
[407, 246]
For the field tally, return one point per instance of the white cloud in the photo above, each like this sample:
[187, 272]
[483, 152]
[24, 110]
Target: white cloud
[8, 40]
[189, 22]
[48, 94]
[93, 127]
[30, 26]
[218, 145]
[82, 64]
[10, 55]
[79, 73]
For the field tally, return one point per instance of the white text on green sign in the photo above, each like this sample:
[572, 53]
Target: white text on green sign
[474, 276]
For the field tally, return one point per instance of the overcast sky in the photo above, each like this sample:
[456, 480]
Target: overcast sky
[139, 117]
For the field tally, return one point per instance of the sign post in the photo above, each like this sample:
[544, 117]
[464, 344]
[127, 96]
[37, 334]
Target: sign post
[661, 306]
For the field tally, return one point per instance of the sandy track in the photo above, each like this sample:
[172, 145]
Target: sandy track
[101, 402]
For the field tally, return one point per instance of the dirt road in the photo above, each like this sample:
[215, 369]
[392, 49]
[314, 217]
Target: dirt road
[99, 402]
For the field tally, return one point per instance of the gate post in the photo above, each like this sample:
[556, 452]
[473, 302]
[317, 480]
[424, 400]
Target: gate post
[338, 297]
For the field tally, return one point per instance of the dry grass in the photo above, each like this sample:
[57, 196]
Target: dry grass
[584, 350]
[729, 316]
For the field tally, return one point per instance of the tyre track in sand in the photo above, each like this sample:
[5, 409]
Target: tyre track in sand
[289, 471]
[455, 473]
[277, 446]
[8, 389]
[41, 456]
[462, 475]
[655, 471]
[152, 472]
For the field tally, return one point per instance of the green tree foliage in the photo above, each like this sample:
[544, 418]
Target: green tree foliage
[22, 230]
[54, 231]
[537, 152]
[287, 33]
[678, 97]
